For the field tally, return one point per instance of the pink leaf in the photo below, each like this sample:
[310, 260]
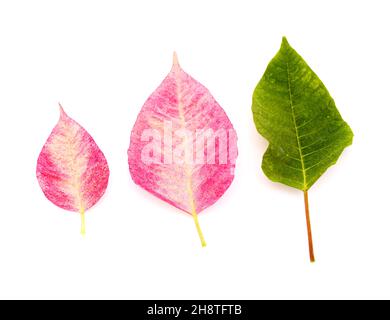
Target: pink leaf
[71, 170]
[183, 147]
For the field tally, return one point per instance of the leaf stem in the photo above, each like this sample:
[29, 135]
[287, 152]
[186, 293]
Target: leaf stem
[82, 214]
[200, 233]
[309, 234]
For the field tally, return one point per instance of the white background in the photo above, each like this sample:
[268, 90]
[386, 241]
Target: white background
[101, 60]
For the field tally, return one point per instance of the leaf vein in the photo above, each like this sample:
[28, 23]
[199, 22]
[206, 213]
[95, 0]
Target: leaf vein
[295, 126]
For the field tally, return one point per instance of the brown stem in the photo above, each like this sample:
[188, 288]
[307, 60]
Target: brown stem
[309, 235]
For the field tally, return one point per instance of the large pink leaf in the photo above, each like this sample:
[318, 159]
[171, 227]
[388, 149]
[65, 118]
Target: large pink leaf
[171, 153]
[72, 171]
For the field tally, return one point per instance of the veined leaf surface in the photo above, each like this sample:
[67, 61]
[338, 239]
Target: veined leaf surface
[294, 111]
[166, 154]
[71, 169]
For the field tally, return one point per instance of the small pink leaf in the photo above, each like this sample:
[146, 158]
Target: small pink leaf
[71, 170]
[183, 147]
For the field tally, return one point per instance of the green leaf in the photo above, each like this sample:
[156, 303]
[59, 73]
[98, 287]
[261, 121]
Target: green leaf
[294, 111]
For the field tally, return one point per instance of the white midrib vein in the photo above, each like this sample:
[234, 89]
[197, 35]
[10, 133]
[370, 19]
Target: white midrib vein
[296, 128]
[75, 179]
[187, 169]
[76, 182]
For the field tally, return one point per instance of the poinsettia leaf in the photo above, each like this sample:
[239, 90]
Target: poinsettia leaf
[294, 111]
[71, 169]
[167, 155]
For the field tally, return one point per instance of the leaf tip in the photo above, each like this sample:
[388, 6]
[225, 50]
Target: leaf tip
[175, 63]
[285, 43]
[62, 112]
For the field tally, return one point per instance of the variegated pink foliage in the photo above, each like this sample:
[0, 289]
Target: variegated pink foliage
[181, 102]
[72, 171]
